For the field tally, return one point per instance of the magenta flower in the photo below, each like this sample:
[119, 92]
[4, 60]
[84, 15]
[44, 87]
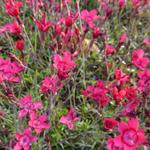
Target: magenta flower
[130, 135]
[69, 119]
[129, 107]
[63, 64]
[138, 59]
[13, 27]
[24, 140]
[13, 7]
[43, 24]
[144, 80]
[97, 92]
[51, 83]
[111, 145]
[38, 123]
[121, 77]
[135, 3]
[27, 106]
[89, 17]
[9, 71]
[122, 4]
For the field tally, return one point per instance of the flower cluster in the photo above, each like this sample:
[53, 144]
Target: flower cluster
[38, 123]
[98, 93]
[92, 62]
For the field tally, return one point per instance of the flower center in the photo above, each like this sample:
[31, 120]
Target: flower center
[36, 123]
[25, 140]
[130, 137]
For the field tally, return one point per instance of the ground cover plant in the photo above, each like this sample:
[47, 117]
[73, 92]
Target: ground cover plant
[75, 74]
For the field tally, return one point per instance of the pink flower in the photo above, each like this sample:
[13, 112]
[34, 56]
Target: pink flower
[97, 93]
[129, 107]
[27, 106]
[25, 140]
[147, 42]
[51, 83]
[109, 49]
[144, 80]
[135, 3]
[43, 25]
[110, 123]
[69, 119]
[111, 145]
[13, 7]
[130, 135]
[89, 17]
[9, 71]
[63, 64]
[122, 4]
[138, 60]
[11, 27]
[38, 123]
[120, 77]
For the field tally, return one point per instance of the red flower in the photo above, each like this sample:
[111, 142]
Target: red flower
[43, 25]
[118, 95]
[25, 140]
[110, 123]
[96, 32]
[89, 17]
[130, 135]
[68, 21]
[131, 93]
[138, 60]
[69, 119]
[13, 7]
[97, 93]
[120, 77]
[63, 64]
[27, 106]
[38, 123]
[19, 44]
[109, 49]
[52, 84]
